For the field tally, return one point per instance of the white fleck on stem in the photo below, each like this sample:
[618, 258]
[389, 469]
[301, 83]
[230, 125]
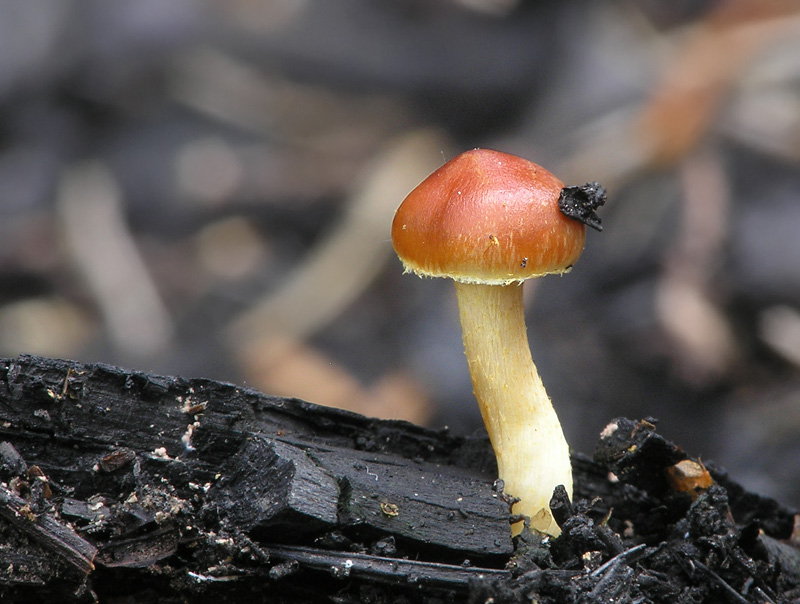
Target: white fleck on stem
[532, 453]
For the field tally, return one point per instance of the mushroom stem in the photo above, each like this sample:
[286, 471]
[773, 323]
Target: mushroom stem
[532, 453]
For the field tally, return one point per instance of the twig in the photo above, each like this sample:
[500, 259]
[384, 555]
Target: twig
[618, 559]
[387, 570]
[730, 591]
[47, 531]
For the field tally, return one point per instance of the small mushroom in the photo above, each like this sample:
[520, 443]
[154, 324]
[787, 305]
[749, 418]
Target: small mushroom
[489, 220]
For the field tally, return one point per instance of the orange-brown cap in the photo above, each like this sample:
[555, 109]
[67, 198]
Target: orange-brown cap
[486, 217]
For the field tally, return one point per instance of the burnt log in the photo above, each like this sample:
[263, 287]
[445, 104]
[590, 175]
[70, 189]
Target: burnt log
[141, 471]
[120, 485]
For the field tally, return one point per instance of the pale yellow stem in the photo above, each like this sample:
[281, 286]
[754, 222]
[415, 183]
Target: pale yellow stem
[532, 453]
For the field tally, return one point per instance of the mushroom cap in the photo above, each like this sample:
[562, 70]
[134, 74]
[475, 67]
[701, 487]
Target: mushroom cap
[486, 217]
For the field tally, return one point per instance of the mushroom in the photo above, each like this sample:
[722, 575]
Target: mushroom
[489, 220]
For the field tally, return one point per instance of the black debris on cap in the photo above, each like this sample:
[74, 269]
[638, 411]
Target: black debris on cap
[581, 202]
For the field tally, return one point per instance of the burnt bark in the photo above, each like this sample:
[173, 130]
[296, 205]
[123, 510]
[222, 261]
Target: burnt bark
[111, 476]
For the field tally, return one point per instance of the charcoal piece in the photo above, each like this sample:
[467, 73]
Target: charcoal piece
[140, 552]
[635, 452]
[276, 488]
[11, 462]
[580, 203]
[425, 502]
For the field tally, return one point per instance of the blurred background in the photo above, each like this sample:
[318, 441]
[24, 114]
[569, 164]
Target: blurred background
[205, 188]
